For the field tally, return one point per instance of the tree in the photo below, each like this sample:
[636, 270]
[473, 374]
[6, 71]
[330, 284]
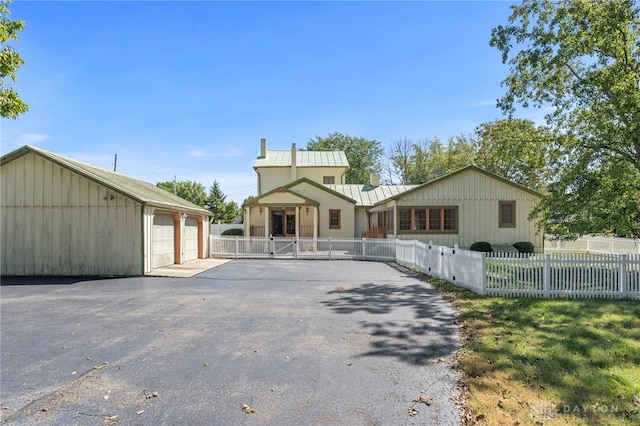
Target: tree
[187, 190]
[581, 59]
[364, 155]
[10, 103]
[419, 162]
[515, 149]
[225, 212]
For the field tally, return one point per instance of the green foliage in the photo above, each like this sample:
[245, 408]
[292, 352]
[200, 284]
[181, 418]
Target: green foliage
[10, 103]
[524, 247]
[187, 190]
[413, 163]
[234, 231]
[581, 59]
[482, 246]
[364, 155]
[214, 201]
[515, 149]
[223, 212]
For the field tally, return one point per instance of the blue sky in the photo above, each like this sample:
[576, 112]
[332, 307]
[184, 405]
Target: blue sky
[188, 89]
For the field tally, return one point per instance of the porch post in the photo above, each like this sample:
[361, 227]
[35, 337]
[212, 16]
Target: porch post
[266, 221]
[297, 222]
[247, 221]
[315, 222]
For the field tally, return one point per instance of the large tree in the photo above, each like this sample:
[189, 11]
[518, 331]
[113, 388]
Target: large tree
[10, 103]
[581, 59]
[515, 149]
[223, 211]
[364, 155]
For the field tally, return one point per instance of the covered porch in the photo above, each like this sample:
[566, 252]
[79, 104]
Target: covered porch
[281, 213]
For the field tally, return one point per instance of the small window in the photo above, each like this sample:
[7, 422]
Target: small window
[334, 219]
[420, 219]
[507, 211]
[435, 215]
[328, 180]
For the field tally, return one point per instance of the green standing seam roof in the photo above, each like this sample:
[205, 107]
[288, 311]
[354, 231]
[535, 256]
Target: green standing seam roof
[368, 195]
[136, 189]
[275, 158]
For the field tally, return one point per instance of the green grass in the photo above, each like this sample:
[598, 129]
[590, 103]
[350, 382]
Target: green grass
[528, 361]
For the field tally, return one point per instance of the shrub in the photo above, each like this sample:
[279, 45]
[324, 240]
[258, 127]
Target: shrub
[234, 231]
[481, 246]
[524, 247]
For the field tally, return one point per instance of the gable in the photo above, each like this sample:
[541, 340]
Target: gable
[280, 197]
[130, 187]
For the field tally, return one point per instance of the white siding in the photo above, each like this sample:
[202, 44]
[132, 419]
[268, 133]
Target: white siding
[56, 222]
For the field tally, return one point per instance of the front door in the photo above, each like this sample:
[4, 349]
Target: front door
[277, 224]
[291, 224]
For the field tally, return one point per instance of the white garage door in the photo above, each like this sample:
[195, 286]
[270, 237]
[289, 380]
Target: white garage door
[163, 246]
[190, 239]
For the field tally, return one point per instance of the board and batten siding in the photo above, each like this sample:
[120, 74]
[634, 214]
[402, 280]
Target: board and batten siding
[477, 197]
[57, 222]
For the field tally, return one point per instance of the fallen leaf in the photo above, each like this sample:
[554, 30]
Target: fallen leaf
[413, 411]
[205, 364]
[424, 400]
[248, 409]
[139, 412]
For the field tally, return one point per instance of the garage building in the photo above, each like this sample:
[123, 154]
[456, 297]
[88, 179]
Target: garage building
[64, 217]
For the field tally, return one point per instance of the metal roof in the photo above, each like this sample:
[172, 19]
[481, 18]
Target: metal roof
[303, 159]
[368, 195]
[136, 189]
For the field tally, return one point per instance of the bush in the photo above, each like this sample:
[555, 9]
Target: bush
[234, 231]
[481, 246]
[524, 247]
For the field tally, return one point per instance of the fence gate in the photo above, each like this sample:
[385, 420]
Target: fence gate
[283, 248]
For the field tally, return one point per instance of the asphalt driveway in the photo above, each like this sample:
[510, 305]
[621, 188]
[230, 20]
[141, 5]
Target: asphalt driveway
[299, 342]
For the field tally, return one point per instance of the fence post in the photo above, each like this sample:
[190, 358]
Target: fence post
[295, 247]
[364, 248]
[236, 246]
[415, 247]
[272, 246]
[623, 276]
[546, 275]
[483, 275]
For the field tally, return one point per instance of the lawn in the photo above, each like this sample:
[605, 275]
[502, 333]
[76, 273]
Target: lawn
[551, 362]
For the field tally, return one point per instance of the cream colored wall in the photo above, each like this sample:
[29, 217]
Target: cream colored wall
[316, 174]
[362, 221]
[272, 178]
[328, 201]
[55, 222]
[477, 197]
[275, 177]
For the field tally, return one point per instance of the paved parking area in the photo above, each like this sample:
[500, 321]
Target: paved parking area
[299, 342]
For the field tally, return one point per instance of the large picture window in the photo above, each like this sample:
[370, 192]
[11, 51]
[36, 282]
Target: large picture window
[428, 219]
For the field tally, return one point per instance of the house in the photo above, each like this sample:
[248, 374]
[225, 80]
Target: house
[65, 217]
[303, 194]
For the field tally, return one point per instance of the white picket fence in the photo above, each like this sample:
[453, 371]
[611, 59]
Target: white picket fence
[570, 275]
[592, 244]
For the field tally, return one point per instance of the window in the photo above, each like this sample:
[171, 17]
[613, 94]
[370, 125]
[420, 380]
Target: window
[507, 212]
[404, 219]
[334, 219]
[328, 180]
[428, 219]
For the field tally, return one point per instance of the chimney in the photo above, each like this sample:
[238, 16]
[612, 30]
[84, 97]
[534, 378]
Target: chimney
[374, 179]
[294, 174]
[263, 148]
